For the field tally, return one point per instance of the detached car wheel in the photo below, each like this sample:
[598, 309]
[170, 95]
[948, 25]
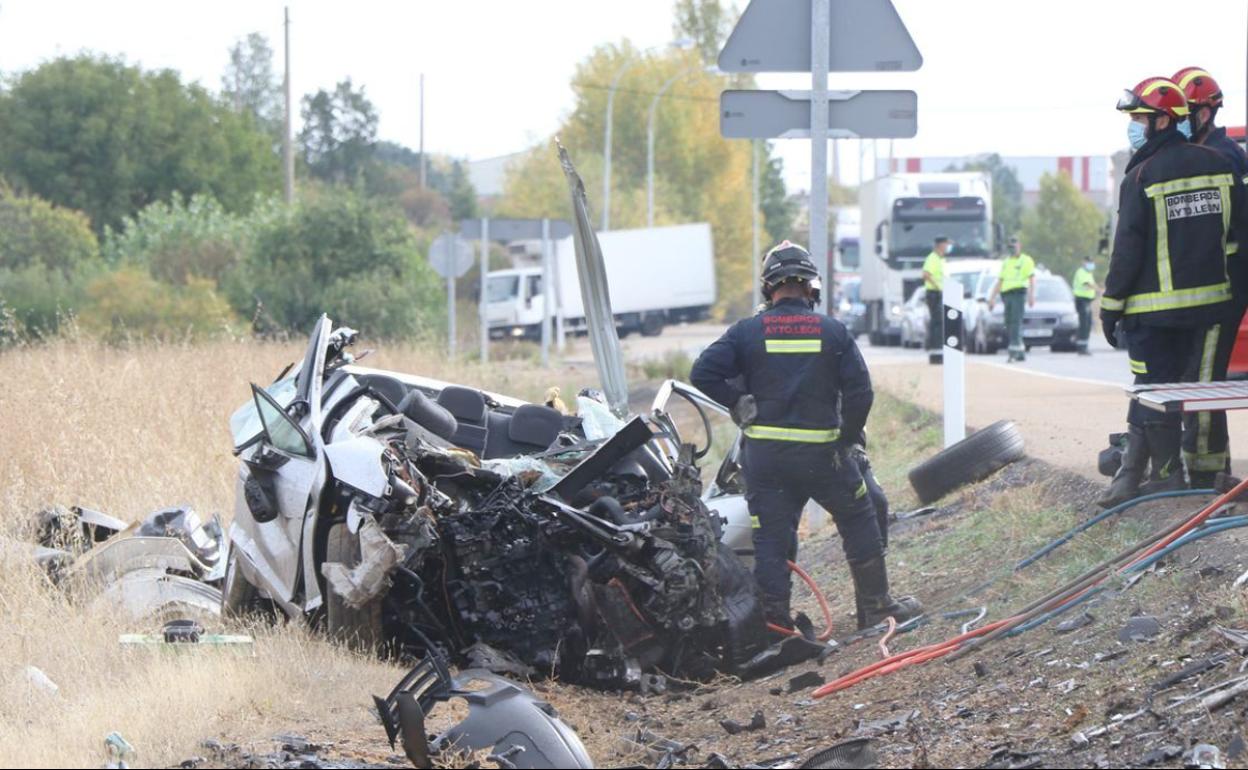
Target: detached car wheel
[358, 627]
[974, 458]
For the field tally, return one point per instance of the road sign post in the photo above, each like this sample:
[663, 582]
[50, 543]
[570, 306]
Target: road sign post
[815, 36]
[450, 257]
[954, 364]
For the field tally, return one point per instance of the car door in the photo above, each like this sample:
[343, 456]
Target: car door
[687, 412]
[288, 461]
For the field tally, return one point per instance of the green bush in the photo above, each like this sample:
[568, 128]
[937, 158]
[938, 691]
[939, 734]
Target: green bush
[130, 303]
[179, 240]
[46, 256]
[342, 254]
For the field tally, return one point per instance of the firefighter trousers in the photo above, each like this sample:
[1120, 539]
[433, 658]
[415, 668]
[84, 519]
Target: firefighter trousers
[780, 478]
[1206, 444]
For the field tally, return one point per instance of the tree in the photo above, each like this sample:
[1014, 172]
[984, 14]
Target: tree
[1064, 227]
[339, 133]
[460, 193]
[705, 22]
[250, 85]
[105, 138]
[779, 211]
[699, 175]
[1007, 191]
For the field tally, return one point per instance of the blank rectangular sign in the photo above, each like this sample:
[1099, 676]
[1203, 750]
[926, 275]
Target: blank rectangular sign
[750, 114]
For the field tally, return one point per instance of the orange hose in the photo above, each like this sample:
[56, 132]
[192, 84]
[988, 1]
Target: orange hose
[823, 607]
[940, 649]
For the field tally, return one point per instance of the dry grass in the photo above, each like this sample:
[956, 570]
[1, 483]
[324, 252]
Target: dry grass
[126, 431]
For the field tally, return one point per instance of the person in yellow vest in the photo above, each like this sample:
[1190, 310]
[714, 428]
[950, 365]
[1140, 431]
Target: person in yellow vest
[1017, 287]
[1084, 284]
[933, 283]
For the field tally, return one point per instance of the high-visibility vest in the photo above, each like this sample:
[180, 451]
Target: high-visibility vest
[934, 265]
[1084, 284]
[1016, 273]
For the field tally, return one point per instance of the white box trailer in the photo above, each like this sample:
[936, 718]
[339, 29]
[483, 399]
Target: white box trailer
[657, 276]
[902, 214]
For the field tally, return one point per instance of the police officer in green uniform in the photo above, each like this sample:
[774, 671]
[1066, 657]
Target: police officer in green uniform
[934, 283]
[1016, 286]
[1084, 284]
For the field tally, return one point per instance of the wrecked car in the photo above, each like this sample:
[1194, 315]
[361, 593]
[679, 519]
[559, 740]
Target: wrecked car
[416, 516]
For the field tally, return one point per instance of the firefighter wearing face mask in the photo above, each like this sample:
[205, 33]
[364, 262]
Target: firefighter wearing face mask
[1206, 444]
[1167, 281]
[800, 390]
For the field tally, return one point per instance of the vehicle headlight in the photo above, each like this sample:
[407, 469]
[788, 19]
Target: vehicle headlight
[1070, 319]
[896, 310]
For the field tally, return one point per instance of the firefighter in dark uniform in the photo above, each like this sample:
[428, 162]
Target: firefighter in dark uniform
[1167, 281]
[1206, 446]
[797, 385]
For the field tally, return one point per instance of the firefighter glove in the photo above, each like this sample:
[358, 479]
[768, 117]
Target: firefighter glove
[1109, 325]
[745, 411]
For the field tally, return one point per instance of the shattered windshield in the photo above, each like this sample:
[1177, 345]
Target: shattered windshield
[245, 425]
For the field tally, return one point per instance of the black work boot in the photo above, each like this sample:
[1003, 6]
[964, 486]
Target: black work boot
[1165, 448]
[776, 611]
[872, 595]
[1126, 482]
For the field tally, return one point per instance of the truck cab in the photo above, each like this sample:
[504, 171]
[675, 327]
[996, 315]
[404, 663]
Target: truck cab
[903, 215]
[514, 303]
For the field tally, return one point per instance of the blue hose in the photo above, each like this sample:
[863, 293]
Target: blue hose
[1210, 527]
[1066, 538]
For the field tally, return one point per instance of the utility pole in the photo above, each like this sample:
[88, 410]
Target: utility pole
[288, 149]
[422, 130]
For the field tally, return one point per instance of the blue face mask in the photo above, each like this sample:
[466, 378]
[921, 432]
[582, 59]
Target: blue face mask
[1137, 134]
[1185, 128]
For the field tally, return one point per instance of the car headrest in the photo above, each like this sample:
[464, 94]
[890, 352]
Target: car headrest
[421, 409]
[535, 425]
[463, 403]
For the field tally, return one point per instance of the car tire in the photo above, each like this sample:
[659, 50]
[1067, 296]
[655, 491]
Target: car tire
[972, 459]
[652, 324]
[239, 598]
[357, 627]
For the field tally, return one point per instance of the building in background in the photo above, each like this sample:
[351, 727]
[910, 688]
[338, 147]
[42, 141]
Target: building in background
[1093, 175]
[488, 176]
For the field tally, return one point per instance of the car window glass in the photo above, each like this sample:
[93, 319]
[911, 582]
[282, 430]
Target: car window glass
[1053, 290]
[282, 431]
[245, 423]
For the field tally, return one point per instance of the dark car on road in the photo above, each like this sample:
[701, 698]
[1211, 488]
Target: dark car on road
[1051, 323]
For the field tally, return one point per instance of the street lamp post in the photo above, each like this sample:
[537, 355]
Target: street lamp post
[606, 143]
[654, 107]
[679, 44]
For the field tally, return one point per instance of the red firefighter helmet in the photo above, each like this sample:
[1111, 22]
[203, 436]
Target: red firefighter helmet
[1198, 86]
[1155, 96]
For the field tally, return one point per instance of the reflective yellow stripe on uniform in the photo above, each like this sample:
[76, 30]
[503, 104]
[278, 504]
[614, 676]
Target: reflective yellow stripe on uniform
[1204, 419]
[1138, 367]
[861, 492]
[801, 435]
[754, 523]
[1112, 303]
[1177, 299]
[795, 346]
[1189, 183]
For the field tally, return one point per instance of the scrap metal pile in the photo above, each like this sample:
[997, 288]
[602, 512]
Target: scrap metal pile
[419, 517]
[613, 571]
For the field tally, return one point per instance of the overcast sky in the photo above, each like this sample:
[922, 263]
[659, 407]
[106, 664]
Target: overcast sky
[1019, 77]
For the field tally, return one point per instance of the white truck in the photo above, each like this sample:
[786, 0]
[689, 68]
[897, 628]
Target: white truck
[657, 276]
[902, 214]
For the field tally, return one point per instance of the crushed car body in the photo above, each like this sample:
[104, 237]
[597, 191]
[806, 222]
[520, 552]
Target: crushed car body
[420, 517]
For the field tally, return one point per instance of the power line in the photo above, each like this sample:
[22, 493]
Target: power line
[642, 92]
